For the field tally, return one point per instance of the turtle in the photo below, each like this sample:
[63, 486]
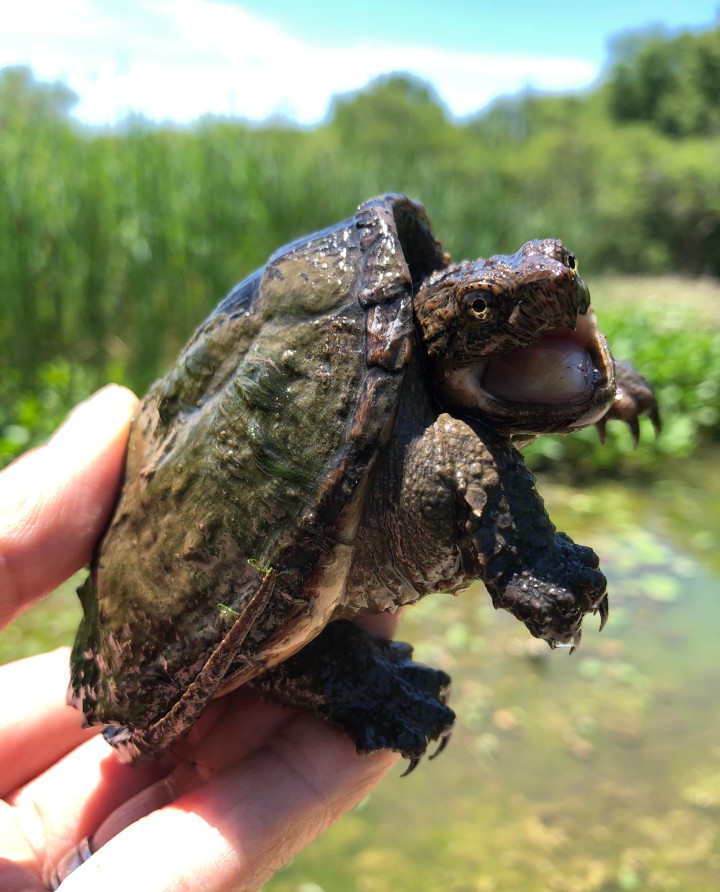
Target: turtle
[339, 438]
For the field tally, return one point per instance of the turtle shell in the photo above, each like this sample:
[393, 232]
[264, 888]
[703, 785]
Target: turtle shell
[244, 475]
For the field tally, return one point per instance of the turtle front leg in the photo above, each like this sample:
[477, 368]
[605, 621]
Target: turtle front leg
[541, 576]
[369, 688]
[634, 397]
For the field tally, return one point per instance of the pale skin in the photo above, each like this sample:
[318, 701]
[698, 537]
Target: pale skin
[251, 785]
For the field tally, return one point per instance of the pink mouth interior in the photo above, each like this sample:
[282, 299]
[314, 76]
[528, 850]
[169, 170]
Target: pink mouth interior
[555, 369]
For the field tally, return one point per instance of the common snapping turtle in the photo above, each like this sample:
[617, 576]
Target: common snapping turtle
[336, 440]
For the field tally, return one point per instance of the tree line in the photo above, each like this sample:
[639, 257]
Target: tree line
[115, 243]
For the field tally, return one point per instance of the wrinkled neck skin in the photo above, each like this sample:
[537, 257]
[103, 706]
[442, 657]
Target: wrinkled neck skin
[451, 502]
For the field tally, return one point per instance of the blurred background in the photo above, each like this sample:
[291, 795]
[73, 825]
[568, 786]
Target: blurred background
[154, 153]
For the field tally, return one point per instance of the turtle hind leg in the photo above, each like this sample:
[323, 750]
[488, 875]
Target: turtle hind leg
[369, 688]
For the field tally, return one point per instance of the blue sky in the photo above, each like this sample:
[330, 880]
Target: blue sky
[178, 59]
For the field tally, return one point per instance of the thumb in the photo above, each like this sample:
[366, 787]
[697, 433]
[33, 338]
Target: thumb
[55, 500]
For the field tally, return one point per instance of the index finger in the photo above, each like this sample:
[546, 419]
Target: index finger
[55, 500]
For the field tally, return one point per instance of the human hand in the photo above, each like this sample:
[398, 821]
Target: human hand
[250, 785]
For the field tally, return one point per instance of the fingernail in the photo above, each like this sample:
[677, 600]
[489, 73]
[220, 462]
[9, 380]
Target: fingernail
[113, 403]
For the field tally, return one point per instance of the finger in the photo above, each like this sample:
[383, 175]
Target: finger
[229, 730]
[237, 830]
[381, 625]
[76, 795]
[241, 725]
[19, 870]
[38, 727]
[90, 794]
[55, 500]
[42, 821]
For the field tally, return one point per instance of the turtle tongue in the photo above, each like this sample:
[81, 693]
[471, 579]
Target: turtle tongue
[555, 369]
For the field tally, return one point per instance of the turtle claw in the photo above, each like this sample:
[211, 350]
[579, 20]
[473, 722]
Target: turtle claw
[414, 761]
[634, 426]
[634, 397]
[369, 688]
[444, 740]
[411, 766]
[654, 416]
[601, 428]
[603, 608]
[577, 637]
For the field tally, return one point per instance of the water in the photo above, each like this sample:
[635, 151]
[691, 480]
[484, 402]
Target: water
[599, 771]
[596, 771]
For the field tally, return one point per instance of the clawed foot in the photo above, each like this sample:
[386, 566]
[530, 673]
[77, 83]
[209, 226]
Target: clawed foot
[370, 689]
[634, 397]
[553, 590]
[603, 608]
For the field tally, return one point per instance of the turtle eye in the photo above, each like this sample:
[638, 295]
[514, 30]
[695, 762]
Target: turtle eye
[569, 259]
[480, 305]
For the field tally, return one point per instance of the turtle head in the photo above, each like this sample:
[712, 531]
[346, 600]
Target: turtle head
[513, 339]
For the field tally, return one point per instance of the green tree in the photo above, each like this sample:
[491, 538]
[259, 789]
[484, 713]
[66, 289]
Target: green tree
[671, 82]
[396, 115]
[22, 95]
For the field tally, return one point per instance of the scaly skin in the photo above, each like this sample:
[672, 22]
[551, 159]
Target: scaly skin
[336, 440]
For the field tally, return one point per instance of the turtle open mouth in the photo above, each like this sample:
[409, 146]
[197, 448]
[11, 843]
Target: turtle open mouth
[563, 381]
[563, 365]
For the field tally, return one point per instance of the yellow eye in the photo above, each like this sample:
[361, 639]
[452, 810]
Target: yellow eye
[569, 259]
[480, 304]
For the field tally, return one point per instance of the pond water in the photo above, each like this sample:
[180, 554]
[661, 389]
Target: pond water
[596, 771]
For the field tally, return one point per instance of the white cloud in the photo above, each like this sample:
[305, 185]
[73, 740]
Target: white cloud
[177, 59]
